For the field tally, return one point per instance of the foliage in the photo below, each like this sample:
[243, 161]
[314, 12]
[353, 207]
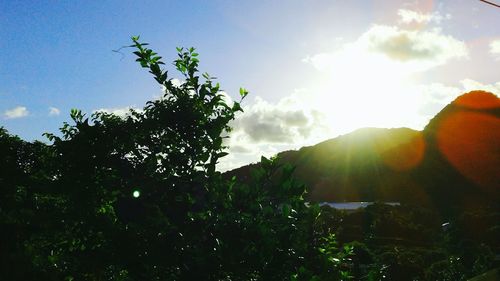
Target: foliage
[406, 243]
[166, 154]
[139, 197]
[23, 176]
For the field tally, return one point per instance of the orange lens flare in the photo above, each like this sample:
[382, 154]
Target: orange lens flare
[469, 141]
[478, 100]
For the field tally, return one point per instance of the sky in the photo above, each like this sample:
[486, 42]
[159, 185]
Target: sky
[314, 69]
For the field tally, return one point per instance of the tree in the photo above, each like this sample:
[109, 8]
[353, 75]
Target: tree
[133, 193]
[139, 197]
[22, 176]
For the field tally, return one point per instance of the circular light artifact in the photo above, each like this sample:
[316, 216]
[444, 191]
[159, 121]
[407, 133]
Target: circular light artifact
[136, 194]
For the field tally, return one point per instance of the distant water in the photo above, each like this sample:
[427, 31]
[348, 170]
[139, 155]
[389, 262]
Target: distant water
[354, 205]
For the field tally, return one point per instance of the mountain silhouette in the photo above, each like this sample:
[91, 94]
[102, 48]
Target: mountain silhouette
[454, 163]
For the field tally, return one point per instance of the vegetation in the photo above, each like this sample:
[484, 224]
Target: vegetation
[410, 243]
[139, 198]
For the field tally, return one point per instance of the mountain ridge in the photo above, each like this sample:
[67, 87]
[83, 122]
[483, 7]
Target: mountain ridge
[454, 161]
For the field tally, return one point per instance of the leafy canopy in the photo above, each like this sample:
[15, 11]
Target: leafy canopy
[139, 197]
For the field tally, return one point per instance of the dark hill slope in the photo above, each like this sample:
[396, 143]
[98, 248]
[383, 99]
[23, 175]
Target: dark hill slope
[453, 162]
[358, 166]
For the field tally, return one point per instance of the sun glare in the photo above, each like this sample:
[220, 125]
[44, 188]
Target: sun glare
[368, 90]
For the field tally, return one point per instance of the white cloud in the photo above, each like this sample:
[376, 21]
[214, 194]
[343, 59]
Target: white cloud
[266, 128]
[247, 154]
[428, 48]
[406, 51]
[471, 85]
[238, 148]
[16, 112]
[409, 16]
[495, 48]
[285, 122]
[436, 96]
[53, 111]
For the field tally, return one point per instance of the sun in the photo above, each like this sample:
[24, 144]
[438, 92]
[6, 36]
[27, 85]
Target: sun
[362, 89]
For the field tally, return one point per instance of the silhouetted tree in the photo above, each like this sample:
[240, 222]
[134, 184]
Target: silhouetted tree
[139, 197]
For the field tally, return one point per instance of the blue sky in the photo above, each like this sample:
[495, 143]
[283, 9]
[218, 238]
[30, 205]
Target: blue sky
[314, 69]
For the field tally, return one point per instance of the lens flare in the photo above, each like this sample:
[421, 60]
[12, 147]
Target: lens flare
[136, 193]
[469, 140]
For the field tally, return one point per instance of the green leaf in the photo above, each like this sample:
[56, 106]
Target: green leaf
[243, 92]
[237, 107]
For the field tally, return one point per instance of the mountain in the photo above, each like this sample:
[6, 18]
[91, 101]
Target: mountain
[454, 162]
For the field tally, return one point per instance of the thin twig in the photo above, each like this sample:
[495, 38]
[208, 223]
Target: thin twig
[119, 51]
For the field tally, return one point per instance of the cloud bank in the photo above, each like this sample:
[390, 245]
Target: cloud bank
[391, 46]
[284, 122]
[431, 48]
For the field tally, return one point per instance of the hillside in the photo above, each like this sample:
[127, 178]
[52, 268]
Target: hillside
[454, 161]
